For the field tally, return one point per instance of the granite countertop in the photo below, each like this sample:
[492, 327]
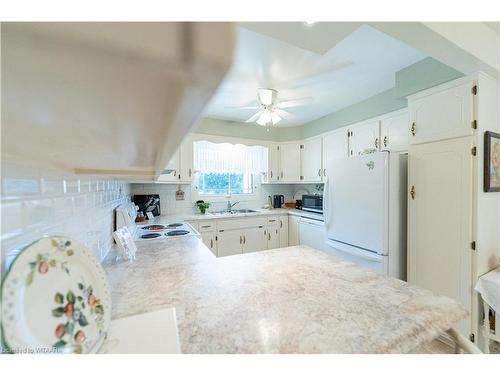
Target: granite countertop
[259, 212]
[289, 300]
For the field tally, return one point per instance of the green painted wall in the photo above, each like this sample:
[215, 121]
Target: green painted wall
[419, 76]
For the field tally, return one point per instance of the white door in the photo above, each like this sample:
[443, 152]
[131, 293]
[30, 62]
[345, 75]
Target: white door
[229, 242]
[443, 115]
[273, 237]
[364, 137]
[335, 145]
[290, 162]
[173, 167]
[439, 214]
[394, 132]
[208, 238]
[254, 239]
[273, 160]
[283, 229]
[186, 160]
[293, 230]
[312, 233]
[312, 170]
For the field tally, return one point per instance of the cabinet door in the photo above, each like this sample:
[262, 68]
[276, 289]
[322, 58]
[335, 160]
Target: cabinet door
[290, 162]
[394, 132]
[273, 163]
[335, 146]
[364, 137]
[442, 115]
[293, 230]
[311, 160]
[186, 160]
[173, 167]
[273, 237]
[254, 239]
[439, 218]
[283, 229]
[229, 242]
[208, 239]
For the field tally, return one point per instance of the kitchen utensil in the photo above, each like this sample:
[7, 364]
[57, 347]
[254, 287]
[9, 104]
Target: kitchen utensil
[56, 298]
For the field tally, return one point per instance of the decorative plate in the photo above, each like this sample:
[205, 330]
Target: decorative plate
[55, 298]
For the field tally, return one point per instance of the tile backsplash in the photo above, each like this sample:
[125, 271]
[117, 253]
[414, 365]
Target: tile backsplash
[169, 205]
[38, 201]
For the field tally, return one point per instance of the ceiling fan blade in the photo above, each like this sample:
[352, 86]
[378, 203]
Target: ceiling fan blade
[255, 117]
[245, 107]
[286, 115]
[294, 102]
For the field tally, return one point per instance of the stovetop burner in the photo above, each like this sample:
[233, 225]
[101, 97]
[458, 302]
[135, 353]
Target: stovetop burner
[177, 232]
[151, 235]
[154, 227]
[174, 225]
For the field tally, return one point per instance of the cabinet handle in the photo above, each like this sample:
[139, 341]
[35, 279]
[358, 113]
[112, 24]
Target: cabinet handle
[319, 172]
[376, 142]
[324, 172]
[281, 174]
[265, 232]
[281, 223]
[244, 239]
[271, 174]
[211, 243]
[412, 192]
[272, 220]
[190, 172]
[413, 129]
[269, 236]
[385, 141]
[175, 173]
[241, 240]
[206, 226]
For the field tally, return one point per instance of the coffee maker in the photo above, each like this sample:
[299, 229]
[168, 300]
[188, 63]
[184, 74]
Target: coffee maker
[278, 201]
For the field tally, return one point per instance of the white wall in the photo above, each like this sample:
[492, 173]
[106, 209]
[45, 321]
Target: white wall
[38, 200]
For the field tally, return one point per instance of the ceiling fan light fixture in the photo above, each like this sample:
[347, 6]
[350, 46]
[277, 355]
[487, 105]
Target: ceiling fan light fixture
[265, 118]
[266, 96]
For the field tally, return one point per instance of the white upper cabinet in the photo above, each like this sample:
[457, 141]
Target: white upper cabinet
[186, 160]
[364, 136]
[171, 171]
[394, 131]
[273, 163]
[442, 113]
[312, 170]
[290, 162]
[335, 145]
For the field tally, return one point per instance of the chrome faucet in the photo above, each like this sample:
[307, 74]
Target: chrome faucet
[230, 206]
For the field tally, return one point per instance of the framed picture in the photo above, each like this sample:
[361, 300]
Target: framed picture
[491, 161]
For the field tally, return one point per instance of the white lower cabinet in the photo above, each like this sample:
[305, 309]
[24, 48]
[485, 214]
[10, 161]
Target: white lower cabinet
[293, 230]
[208, 239]
[273, 235]
[229, 242]
[254, 239]
[283, 230]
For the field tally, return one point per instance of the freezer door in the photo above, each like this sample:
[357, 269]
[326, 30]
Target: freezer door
[357, 205]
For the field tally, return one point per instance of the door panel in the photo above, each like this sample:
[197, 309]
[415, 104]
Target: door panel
[186, 160]
[273, 163]
[290, 162]
[172, 165]
[311, 160]
[364, 137]
[440, 228]
[443, 115]
[335, 145]
[394, 132]
[208, 238]
[273, 237]
[283, 229]
[229, 242]
[254, 239]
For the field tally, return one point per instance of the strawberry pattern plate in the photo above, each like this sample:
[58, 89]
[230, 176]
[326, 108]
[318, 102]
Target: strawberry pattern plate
[55, 299]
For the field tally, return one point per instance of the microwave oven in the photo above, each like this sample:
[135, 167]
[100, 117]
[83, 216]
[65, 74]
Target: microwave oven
[312, 203]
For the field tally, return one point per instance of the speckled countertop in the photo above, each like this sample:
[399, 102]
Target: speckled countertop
[289, 300]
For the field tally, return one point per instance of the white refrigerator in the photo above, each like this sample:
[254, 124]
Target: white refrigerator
[364, 205]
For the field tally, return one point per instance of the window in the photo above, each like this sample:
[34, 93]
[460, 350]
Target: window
[224, 168]
[225, 183]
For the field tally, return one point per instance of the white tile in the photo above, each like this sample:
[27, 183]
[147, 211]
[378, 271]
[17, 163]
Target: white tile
[12, 218]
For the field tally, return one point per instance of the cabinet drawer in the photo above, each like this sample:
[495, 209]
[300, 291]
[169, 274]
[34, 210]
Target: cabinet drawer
[206, 226]
[228, 224]
[272, 221]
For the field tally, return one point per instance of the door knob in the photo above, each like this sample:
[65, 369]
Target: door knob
[412, 192]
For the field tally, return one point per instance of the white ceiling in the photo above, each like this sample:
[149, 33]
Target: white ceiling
[336, 64]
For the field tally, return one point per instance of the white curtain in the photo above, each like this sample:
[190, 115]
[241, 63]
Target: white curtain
[228, 158]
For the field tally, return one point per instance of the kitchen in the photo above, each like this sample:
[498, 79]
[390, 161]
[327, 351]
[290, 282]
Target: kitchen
[270, 211]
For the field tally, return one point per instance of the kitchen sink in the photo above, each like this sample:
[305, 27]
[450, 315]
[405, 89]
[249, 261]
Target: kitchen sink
[232, 212]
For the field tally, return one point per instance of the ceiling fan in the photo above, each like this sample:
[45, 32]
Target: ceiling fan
[270, 110]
